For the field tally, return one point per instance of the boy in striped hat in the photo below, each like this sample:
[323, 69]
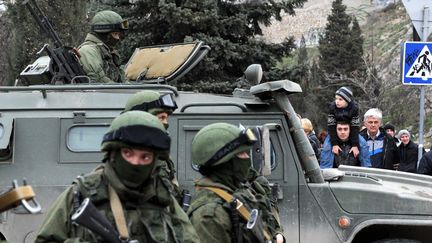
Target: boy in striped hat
[344, 108]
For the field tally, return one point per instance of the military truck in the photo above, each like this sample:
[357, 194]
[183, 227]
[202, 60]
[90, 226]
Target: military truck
[51, 133]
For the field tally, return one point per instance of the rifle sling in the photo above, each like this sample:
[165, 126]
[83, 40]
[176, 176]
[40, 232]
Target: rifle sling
[243, 211]
[117, 210]
[14, 197]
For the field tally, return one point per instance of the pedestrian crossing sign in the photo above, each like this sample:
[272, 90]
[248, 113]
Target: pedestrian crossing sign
[417, 63]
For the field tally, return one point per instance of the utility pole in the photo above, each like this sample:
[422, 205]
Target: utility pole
[422, 89]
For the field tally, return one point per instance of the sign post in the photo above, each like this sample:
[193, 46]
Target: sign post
[421, 18]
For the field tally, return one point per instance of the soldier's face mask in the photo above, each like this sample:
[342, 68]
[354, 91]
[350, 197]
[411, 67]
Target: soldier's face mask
[241, 166]
[166, 102]
[113, 39]
[132, 175]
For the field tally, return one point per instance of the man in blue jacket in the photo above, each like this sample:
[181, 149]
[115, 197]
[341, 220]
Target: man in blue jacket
[328, 159]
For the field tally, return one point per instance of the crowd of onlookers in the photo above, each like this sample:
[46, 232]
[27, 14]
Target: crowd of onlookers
[347, 141]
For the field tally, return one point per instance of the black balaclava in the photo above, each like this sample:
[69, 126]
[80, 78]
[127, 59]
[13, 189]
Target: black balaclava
[231, 173]
[108, 39]
[132, 176]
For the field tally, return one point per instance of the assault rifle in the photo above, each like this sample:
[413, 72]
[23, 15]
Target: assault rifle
[64, 66]
[87, 215]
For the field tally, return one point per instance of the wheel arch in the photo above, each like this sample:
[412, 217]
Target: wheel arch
[377, 229]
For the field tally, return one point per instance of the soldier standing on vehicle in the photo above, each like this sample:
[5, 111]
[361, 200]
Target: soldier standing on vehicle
[161, 106]
[125, 189]
[223, 204]
[98, 55]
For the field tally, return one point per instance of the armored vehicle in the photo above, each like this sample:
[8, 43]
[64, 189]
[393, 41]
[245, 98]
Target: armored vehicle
[50, 134]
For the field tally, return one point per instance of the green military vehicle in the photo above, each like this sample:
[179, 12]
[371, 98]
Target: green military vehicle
[51, 133]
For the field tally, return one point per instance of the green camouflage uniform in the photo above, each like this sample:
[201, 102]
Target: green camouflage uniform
[211, 215]
[100, 62]
[266, 201]
[151, 216]
[151, 212]
[168, 171]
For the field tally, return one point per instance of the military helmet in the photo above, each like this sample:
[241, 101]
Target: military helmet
[151, 101]
[136, 129]
[108, 21]
[219, 142]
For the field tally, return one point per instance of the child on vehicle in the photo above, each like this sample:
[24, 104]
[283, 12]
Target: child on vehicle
[344, 108]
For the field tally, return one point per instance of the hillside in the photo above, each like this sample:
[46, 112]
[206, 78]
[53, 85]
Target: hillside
[311, 19]
[385, 27]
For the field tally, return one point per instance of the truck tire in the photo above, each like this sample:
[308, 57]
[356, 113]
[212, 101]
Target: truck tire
[397, 241]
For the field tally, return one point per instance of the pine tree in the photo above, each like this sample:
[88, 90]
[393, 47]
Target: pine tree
[315, 74]
[356, 44]
[67, 17]
[334, 46]
[302, 68]
[302, 53]
[231, 30]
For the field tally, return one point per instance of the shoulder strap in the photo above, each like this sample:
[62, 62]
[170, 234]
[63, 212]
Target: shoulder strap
[245, 214]
[243, 211]
[117, 210]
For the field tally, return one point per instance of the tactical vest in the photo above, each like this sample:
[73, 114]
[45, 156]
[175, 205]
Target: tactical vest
[146, 222]
[267, 205]
[110, 61]
[246, 202]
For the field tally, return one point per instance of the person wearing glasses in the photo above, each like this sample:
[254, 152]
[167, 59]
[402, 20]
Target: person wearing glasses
[345, 156]
[97, 54]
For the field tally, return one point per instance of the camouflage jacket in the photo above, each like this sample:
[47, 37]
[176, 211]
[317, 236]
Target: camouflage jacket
[101, 64]
[149, 218]
[211, 215]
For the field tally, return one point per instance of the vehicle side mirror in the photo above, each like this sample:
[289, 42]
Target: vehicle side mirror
[262, 150]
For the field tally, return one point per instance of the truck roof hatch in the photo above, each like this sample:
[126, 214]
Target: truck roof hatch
[164, 63]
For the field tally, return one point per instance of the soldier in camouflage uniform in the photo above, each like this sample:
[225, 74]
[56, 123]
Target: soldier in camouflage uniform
[133, 145]
[224, 202]
[161, 106]
[98, 55]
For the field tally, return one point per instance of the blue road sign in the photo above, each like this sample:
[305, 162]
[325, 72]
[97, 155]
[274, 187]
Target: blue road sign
[417, 63]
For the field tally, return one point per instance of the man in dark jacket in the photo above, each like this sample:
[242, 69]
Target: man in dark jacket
[425, 164]
[345, 156]
[391, 130]
[382, 148]
[408, 152]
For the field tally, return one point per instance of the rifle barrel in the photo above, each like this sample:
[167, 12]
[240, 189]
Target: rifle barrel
[43, 22]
